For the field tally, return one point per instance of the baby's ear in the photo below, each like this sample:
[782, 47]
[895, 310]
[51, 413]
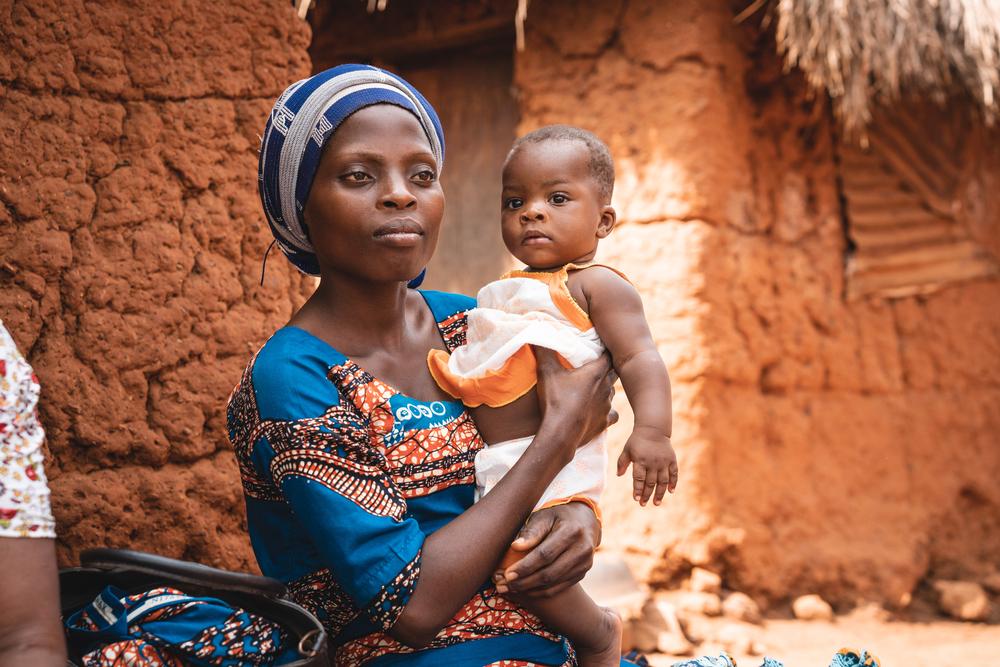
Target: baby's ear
[608, 220]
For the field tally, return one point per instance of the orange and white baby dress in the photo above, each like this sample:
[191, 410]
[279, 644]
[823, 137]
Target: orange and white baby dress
[496, 366]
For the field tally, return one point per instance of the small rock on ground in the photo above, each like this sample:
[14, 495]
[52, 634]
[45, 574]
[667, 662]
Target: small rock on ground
[964, 600]
[694, 602]
[705, 581]
[741, 607]
[812, 608]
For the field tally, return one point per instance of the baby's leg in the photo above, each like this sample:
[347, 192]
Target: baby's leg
[594, 632]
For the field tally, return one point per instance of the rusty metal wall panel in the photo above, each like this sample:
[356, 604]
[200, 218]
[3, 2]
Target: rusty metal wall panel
[899, 193]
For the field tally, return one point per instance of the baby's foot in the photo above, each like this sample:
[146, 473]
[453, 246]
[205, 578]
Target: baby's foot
[604, 648]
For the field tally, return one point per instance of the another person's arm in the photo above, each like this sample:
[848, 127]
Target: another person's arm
[616, 310]
[30, 628]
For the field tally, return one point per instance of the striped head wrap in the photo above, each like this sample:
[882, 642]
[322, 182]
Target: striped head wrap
[301, 121]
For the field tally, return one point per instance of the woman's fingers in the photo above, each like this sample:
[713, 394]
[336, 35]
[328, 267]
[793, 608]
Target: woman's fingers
[565, 569]
[539, 525]
[548, 541]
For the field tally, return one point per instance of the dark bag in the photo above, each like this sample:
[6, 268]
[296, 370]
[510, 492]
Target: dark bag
[86, 589]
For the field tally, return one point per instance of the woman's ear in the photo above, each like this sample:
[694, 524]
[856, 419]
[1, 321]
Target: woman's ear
[607, 222]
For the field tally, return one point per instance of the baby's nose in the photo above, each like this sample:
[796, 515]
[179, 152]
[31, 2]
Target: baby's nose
[532, 213]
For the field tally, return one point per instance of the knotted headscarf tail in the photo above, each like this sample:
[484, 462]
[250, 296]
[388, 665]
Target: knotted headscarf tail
[300, 123]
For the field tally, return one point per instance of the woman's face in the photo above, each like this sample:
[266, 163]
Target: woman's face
[375, 207]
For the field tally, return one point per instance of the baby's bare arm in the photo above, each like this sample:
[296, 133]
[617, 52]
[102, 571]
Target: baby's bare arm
[616, 310]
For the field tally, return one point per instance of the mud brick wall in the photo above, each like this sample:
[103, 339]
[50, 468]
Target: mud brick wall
[841, 447]
[131, 240]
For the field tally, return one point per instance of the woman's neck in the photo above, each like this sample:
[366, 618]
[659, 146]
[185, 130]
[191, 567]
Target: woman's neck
[355, 315]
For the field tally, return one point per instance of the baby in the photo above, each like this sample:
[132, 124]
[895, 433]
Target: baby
[557, 184]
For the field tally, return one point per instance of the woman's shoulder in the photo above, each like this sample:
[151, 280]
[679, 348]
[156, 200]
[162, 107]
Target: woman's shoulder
[447, 304]
[290, 375]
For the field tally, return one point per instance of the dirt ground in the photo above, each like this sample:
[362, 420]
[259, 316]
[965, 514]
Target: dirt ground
[895, 643]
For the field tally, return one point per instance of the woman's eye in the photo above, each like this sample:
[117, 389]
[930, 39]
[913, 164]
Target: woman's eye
[357, 176]
[426, 176]
[513, 203]
[559, 198]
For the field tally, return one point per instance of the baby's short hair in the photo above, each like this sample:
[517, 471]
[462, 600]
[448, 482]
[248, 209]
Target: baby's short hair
[602, 167]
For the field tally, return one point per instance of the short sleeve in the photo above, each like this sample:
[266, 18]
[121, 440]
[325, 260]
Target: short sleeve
[319, 455]
[25, 509]
[451, 312]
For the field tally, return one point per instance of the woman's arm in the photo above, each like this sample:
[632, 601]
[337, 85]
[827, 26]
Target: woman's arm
[30, 630]
[459, 557]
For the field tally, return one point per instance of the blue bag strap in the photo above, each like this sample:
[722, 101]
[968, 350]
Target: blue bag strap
[106, 618]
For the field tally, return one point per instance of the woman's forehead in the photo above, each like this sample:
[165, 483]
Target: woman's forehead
[380, 124]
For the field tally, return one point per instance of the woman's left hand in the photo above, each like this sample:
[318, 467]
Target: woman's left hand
[560, 542]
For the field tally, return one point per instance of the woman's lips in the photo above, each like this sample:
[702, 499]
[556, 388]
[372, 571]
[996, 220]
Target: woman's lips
[402, 233]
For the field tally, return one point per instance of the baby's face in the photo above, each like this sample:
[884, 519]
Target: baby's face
[553, 213]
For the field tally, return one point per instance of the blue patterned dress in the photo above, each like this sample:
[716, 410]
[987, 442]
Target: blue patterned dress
[344, 478]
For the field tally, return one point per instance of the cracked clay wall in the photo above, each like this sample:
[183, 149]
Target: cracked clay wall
[844, 448]
[131, 240]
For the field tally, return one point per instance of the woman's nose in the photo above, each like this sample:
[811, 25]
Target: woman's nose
[397, 194]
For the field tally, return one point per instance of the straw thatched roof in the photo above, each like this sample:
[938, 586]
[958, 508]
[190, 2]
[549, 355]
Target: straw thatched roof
[865, 52]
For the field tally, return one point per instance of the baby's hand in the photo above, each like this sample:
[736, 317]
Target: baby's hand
[654, 464]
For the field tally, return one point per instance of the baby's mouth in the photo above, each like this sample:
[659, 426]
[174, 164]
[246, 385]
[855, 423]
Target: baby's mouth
[534, 237]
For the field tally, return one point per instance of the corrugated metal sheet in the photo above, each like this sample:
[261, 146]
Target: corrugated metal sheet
[899, 193]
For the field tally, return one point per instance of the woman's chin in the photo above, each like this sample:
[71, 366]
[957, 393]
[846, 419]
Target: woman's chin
[400, 274]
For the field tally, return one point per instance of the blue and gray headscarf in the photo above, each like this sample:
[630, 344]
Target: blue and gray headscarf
[302, 120]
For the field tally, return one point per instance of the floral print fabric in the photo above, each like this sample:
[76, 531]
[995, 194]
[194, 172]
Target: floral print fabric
[24, 492]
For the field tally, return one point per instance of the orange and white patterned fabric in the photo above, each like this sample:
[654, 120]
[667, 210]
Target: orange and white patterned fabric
[24, 492]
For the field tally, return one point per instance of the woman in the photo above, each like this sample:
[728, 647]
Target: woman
[357, 470]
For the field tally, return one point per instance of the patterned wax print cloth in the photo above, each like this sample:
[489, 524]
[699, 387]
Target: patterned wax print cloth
[24, 491]
[166, 628]
[845, 657]
[345, 477]
[849, 657]
[721, 660]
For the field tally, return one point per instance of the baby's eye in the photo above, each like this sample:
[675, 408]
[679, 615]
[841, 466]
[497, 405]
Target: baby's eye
[425, 176]
[513, 203]
[559, 198]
